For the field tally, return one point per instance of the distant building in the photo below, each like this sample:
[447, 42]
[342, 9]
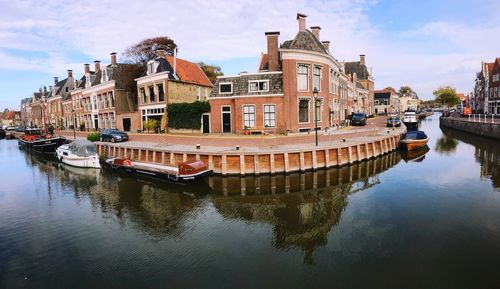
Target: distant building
[363, 76]
[494, 88]
[386, 101]
[409, 101]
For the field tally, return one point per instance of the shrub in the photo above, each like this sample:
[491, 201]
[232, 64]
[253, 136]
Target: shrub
[93, 136]
[187, 115]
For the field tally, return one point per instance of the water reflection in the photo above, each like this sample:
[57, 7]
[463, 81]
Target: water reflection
[486, 153]
[415, 155]
[302, 207]
[446, 145]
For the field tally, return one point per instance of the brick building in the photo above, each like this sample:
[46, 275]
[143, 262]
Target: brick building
[169, 79]
[279, 97]
[494, 88]
[386, 101]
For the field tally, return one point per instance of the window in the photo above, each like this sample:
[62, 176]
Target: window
[258, 85]
[112, 98]
[143, 95]
[303, 77]
[161, 93]
[226, 88]
[94, 101]
[249, 116]
[104, 75]
[151, 94]
[87, 81]
[269, 115]
[317, 77]
[318, 104]
[151, 67]
[304, 110]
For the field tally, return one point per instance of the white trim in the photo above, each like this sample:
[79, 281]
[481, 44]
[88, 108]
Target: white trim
[152, 106]
[258, 80]
[308, 98]
[264, 115]
[98, 87]
[254, 114]
[209, 122]
[225, 83]
[312, 56]
[152, 77]
[222, 112]
[246, 74]
[245, 96]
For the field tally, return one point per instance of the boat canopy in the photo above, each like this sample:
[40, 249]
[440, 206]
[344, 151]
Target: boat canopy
[417, 134]
[82, 148]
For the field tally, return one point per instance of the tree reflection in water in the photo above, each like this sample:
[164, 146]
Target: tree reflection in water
[486, 152]
[304, 207]
[446, 145]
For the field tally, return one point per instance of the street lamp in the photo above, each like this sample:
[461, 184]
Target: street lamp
[316, 107]
[74, 122]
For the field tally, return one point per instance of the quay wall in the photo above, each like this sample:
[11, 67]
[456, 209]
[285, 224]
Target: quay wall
[485, 129]
[243, 162]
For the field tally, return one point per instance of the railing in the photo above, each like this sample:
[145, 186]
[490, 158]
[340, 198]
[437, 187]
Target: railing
[482, 118]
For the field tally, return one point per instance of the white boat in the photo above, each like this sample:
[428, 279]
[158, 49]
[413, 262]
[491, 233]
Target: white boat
[410, 119]
[79, 153]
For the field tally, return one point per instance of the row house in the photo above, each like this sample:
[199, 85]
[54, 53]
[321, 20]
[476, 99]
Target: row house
[481, 94]
[168, 80]
[107, 97]
[494, 88]
[26, 111]
[362, 75]
[60, 93]
[386, 101]
[297, 82]
[409, 101]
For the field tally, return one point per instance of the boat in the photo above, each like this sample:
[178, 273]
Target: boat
[79, 153]
[2, 133]
[416, 155]
[185, 172]
[414, 139]
[410, 119]
[35, 140]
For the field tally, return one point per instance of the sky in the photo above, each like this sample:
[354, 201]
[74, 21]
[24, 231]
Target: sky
[423, 44]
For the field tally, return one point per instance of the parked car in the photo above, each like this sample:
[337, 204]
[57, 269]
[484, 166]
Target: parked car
[393, 120]
[358, 118]
[113, 135]
[20, 129]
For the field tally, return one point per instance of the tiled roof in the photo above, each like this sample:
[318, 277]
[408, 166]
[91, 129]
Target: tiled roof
[356, 67]
[305, 40]
[189, 72]
[382, 94]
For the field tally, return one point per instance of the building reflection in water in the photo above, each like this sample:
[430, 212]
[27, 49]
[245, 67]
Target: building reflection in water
[486, 152]
[303, 207]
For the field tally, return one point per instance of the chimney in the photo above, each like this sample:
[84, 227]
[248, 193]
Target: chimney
[97, 65]
[302, 22]
[45, 89]
[272, 50]
[113, 58]
[70, 73]
[86, 67]
[326, 45]
[160, 53]
[56, 80]
[315, 31]
[362, 59]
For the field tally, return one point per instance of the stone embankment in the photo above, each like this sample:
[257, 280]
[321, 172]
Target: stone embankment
[483, 127]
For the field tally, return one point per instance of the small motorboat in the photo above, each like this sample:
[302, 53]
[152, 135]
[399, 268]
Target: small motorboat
[35, 140]
[414, 139]
[410, 119]
[79, 153]
[184, 172]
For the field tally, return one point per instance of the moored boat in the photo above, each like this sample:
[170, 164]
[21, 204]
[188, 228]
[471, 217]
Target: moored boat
[184, 172]
[2, 133]
[35, 140]
[414, 139]
[410, 119]
[79, 153]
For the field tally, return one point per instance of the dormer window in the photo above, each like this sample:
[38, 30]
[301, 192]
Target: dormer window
[152, 65]
[104, 75]
[226, 88]
[87, 81]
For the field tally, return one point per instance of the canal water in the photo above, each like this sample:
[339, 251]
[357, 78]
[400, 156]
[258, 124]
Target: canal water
[425, 220]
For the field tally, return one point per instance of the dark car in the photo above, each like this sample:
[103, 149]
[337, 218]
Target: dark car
[113, 135]
[358, 118]
[393, 120]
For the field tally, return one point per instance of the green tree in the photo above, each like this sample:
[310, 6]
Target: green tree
[145, 50]
[211, 71]
[405, 91]
[446, 95]
[150, 124]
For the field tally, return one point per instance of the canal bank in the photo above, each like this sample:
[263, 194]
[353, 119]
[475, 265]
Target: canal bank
[486, 127]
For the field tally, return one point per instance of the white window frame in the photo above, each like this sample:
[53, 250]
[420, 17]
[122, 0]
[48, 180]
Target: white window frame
[225, 83]
[320, 75]
[308, 110]
[308, 75]
[320, 116]
[264, 114]
[254, 115]
[258, 81]
[222, 112]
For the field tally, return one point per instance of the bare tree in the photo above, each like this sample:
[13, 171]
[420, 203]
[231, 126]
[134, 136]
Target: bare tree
[142, 52]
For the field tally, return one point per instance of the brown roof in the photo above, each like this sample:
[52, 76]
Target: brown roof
[189, 72]
[264, 62]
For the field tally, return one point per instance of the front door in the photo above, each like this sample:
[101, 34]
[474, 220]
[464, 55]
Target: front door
[96, 122]
[205, 122]
[126, 124]
[226, 119]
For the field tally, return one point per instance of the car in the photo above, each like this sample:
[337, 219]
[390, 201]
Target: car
[20, 129]
[358, 118]
[393, 120]
[113, 135]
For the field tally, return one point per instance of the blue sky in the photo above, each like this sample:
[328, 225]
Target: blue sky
[423, 44]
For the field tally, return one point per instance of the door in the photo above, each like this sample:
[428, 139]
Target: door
[226, 119]
[205, 123]
[96, 122]
[126, 124]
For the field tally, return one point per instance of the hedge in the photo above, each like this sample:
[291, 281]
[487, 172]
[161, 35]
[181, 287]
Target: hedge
[93, 136]
[186, 115]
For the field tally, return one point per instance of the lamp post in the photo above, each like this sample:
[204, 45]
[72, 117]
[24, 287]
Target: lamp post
[74, 123]
[43, 114]
[316, 106]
